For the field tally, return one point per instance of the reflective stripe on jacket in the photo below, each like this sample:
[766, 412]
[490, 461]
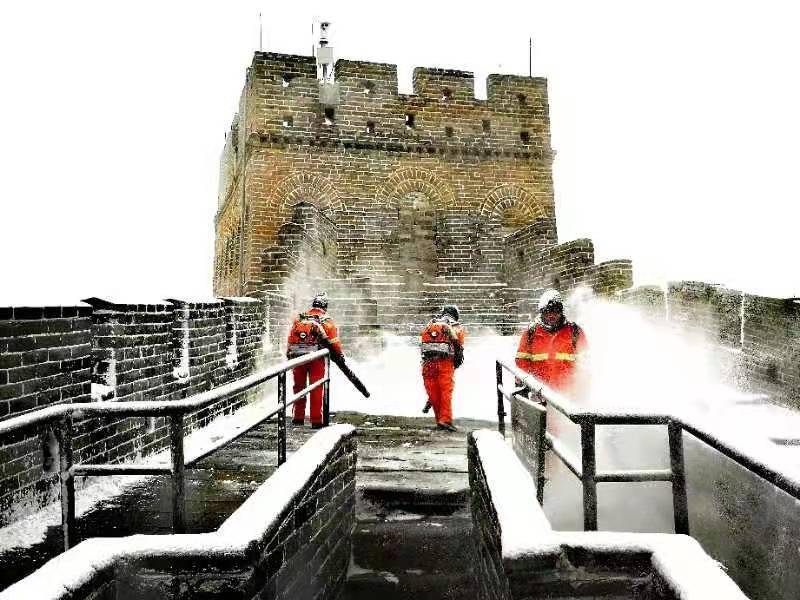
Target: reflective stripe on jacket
[551, 356]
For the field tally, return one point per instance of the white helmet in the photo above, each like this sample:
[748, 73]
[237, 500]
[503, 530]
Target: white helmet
[551, 299]
[320, 301]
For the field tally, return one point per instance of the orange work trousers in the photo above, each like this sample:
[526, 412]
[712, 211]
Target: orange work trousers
[437, 374]
[303, 376]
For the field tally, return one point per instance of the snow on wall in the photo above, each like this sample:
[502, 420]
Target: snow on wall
[255, 525]
[102, 350]
[520, 556]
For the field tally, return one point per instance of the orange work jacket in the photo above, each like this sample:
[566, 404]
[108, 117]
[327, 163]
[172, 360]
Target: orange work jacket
[439, 338]
[551, 356]
[305, 334]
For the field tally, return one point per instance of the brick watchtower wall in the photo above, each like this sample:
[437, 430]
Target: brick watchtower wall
[419, 186]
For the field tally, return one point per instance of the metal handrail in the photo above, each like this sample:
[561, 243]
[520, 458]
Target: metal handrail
[175, 410]
[587, 472]
[155, 408]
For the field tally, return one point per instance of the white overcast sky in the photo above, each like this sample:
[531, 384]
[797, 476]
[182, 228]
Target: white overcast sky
[676, 126]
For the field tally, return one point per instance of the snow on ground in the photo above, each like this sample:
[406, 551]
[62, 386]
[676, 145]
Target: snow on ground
[33, 528]
[394, 378]
[632, 363]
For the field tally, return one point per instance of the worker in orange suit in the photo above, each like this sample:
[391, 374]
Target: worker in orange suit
[442, 353]
[552, 346]
[304, 338]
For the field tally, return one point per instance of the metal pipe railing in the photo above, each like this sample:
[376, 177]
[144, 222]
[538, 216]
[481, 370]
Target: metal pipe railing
[587, 471]
[62, 418]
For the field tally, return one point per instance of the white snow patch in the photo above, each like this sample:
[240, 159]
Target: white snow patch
[241, 299]
[32, 528]
[253, 518]
[403, 516]
[72, 569]
[232, 356]
[513, 494]
[23, 297]
[182, 370]
[101, 392]
[394, 377]
[353, 569]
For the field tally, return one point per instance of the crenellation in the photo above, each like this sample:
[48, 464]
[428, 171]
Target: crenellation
[448, 86]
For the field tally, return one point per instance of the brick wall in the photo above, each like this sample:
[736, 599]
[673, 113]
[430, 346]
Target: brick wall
[278, 314]
[517, 555]
[649, 300]
[303, 553]
[401, 191]
[132, 354]
[609, 277]
[306, 249]
[706, 309]
[306, 552]
[129, 352]
[244, 334]
[45, 359]
[464, 161]
[523, 248]
[488, 565]
[771, 347]
[563, 267]
[290, 539]
[758, 337]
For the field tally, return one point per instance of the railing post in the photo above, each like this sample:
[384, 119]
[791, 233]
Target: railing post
[282, 418]
[589, 465]
[178, 473]
[501, 413]
[541, 457]
[680, 503]
[326, 393]
[67, 481]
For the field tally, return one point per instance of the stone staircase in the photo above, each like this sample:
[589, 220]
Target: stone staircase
[413, 523]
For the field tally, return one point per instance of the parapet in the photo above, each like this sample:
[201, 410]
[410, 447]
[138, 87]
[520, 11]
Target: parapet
[428, 82]
[442, 115]
[384, 74]
[514, 92]
[443, 84]
[275, 66]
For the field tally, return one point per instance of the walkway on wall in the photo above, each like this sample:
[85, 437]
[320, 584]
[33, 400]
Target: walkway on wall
[412, 484]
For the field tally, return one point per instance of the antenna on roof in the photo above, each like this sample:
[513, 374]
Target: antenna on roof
[260, 33]
[530, 57]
